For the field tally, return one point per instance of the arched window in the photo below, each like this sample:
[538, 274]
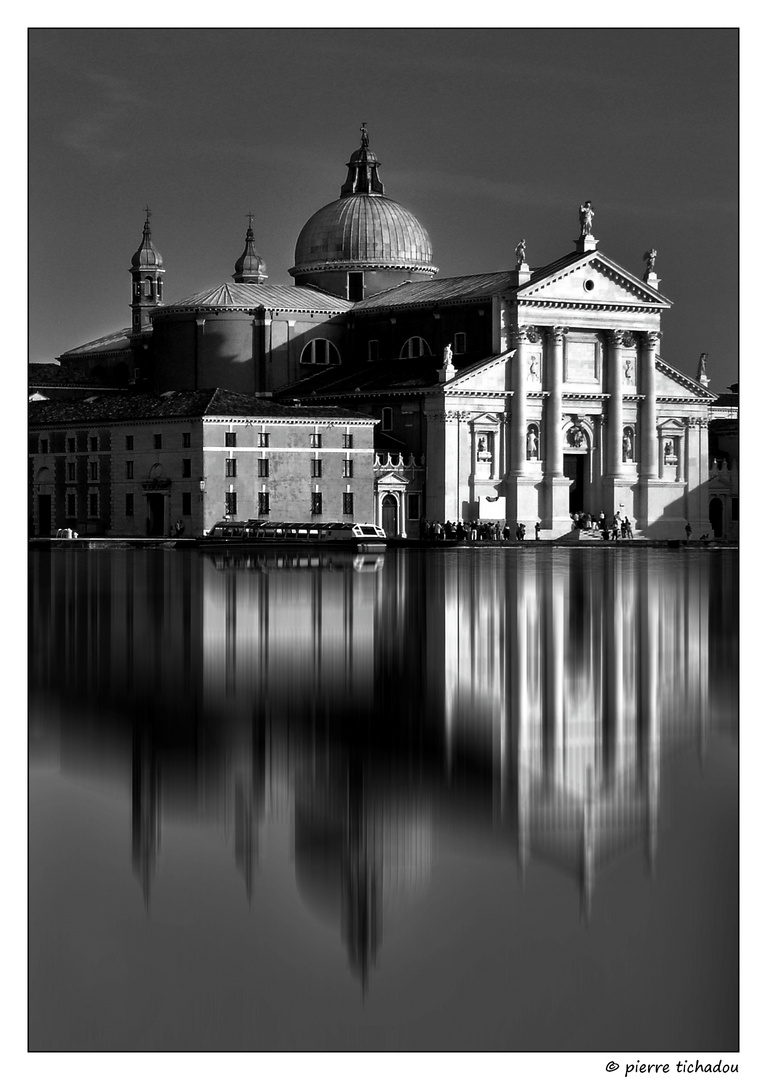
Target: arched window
[320, 351]
[147, 286]
[413, 347]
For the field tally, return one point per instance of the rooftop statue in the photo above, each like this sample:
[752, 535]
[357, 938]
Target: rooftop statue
[586, 217]
[650, 257]
[365, 140]
[447, 356]
[520, 252]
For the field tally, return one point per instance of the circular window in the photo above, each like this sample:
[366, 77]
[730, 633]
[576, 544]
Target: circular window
[588, 284]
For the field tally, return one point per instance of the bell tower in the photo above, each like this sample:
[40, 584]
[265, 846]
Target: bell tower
[146, 272]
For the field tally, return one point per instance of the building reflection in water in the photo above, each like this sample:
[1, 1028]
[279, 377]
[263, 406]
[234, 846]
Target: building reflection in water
[527, 696]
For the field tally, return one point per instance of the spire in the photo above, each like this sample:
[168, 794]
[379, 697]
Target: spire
[147, 257]
[250, 268]
[146, 272]
[363, 178]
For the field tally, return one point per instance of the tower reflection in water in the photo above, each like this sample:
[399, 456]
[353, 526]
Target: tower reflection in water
[376, 702]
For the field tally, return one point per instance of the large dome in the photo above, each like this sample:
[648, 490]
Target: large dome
[362, 242]
[363, 232]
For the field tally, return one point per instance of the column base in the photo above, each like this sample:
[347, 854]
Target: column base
[523, 498]
[556, 505]
[662, 512]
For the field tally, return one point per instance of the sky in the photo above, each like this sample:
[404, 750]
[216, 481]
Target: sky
[486, 135]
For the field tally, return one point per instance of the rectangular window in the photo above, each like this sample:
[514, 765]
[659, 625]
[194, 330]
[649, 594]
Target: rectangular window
[43, 446]
[263, 438]
[316, 502]
[348, 441]
[263, 466]
[263, 503]
[231, 503]
[129, 505]
[128, 470]
[158, 442]
[356, 285]
[316, 466]
[186, 439]
[386, 419]
[372, 351]
[94, 469]
[71, 505]
[186, 503]
[186, 467]
[70, 446]
[93, 504]
[230, 438]
[128, 442]
[348, 502]
[231, 466]
[413, 506]
[94, 444]
[459, 343]
[70, 470]
[348, 468]
[315, 440]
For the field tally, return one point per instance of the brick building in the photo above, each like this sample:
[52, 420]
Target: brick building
[138, 464]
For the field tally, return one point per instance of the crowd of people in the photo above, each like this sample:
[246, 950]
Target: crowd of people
[620, 528]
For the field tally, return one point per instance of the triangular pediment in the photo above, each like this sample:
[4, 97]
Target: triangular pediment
[489, 376]
[674, 384]
[592, 280]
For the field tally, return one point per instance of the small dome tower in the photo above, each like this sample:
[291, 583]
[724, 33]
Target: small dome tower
[250, 268]
[146, 272]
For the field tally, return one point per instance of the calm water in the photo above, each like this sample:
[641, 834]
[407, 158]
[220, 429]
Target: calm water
[442, 800]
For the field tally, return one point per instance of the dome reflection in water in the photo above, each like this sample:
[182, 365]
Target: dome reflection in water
[426, 800]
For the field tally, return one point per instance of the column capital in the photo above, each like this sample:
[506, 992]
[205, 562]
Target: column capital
[556, 334]
[615, 338]
[652, 338]
[522, 335]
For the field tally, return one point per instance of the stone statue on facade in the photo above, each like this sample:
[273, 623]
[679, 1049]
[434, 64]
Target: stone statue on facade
[532, 444]
[575, 437]
[520, 253]
[702, 375]
[628, 450]
[586, 214]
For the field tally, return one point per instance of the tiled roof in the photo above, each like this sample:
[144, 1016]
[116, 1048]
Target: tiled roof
[439, 290]
[175, 404]
[43, 375]
[379, 376]
[243, 296]
[117, 341]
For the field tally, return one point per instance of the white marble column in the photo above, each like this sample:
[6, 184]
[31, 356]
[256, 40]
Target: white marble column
[648, 454]
[521, 338]
[553, 371]
[614, 434]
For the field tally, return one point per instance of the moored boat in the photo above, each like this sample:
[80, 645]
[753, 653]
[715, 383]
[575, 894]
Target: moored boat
[362, 536]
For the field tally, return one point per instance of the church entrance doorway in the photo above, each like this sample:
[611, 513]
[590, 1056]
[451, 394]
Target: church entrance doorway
[43, 515]
[574, 467]
[389, 515]
[716, 516]
[155, 515]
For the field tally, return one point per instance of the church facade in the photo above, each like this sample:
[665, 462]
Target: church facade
[521, 396]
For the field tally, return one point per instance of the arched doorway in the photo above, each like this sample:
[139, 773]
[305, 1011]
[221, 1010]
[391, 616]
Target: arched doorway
[716, 516]
[389, 515]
